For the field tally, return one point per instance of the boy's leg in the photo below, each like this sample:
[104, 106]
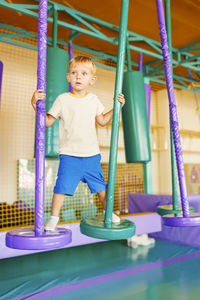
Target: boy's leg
[57, 202]
[102, 199]
[93, 176]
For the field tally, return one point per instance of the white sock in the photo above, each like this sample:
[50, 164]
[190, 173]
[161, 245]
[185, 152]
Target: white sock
[115, 218]
[51, 224]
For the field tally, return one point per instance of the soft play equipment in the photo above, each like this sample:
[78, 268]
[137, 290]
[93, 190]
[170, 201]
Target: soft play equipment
[37, 238]
[135, 121]
[187, 218]
[57, 67]
[101, 227]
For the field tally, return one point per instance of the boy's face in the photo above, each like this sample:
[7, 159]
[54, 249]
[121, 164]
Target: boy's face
[80, 76]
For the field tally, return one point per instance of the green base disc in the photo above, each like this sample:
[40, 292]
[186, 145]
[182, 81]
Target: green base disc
[95, 227]
[168, 209]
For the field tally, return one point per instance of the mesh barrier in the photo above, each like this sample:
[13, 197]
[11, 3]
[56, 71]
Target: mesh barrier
[129, 179]
[17, 133]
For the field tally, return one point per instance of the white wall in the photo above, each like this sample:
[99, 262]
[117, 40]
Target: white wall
[17, 119]
[189, 125]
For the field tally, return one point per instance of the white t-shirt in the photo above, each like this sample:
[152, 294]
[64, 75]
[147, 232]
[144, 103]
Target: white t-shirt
[77, 132]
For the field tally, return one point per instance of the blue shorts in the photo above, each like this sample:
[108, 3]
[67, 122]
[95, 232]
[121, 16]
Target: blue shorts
[73, 169]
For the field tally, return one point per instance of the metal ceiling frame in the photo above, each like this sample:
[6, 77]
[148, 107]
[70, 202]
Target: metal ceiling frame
[88, 25]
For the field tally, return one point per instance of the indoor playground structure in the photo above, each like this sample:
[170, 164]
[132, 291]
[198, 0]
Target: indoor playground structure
[150, 152]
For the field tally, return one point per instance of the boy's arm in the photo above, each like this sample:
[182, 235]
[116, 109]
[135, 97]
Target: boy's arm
[50, 120]
[39, 95]
[104, 119]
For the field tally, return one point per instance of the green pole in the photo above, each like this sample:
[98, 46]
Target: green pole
[147, 166]
[128, 56]
[173, 160]
[148, 184]
[55, 27]
[116, 110]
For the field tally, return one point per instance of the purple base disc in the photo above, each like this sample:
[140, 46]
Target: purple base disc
[180, 221]
[25, 239]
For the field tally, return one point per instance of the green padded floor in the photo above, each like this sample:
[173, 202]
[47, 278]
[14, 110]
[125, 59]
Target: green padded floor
[89, 272]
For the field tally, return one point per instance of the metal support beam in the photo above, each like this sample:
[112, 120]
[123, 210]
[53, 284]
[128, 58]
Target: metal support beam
[91, 30]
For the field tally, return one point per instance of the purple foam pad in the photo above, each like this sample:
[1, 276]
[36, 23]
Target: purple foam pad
[145, 223]
[25, 239]
[180, 221]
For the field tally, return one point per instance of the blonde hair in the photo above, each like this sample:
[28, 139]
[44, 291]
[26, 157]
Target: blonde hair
[83, 60]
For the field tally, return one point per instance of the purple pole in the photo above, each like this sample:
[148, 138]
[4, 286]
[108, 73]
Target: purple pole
[173, 109]
[1, 76]
[41, 120]
[140, 63]
[70, 50]
[36, 238]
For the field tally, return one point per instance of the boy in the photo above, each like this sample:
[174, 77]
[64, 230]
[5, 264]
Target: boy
[78, 145]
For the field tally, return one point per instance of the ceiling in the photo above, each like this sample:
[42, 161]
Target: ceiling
[142, 20]
[143, 17]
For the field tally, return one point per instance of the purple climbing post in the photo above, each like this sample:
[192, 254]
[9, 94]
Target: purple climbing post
[173, 109]
[70, 50]
[140, 62]
[41, 120]
[173, 221]
[36, 238]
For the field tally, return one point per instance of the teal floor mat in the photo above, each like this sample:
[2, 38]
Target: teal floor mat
[107, 270]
